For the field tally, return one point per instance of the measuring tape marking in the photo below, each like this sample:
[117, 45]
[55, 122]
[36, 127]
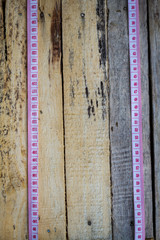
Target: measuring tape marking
[137, 148]
[32, 71]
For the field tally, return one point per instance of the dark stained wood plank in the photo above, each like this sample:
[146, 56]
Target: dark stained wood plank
[146, 118]
[154, 37]
[120, 120]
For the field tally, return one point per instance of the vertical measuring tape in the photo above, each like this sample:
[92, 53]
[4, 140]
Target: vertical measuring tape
[32, 67]
[137, 148]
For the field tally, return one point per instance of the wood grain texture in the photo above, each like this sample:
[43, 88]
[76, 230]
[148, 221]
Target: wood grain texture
[85, 71]
[154, 37]
[146, 118]
[13, 120]
[52, 223]
[120, 120]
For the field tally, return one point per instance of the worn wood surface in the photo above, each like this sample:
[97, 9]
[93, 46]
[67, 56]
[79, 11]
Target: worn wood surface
[85, 71]
[146, 118]
[120, 120]
[13, 120]
[154, 54]
[52, 223]
[85, 165]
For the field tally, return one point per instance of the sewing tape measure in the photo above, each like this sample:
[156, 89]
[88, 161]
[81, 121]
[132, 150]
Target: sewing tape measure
[136, 112]
[32, 72]
[137, 148]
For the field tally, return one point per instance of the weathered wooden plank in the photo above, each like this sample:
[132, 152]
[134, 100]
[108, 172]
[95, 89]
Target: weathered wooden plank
[13, 124]
[85, 69]
[120, 120]
[147, 168]
[154, 37]
[52, 223]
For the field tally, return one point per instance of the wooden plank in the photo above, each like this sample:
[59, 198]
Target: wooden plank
[147, 168]
[13, 123]
[120, 120]
[154, 38]
[52, 223]
[85, 70]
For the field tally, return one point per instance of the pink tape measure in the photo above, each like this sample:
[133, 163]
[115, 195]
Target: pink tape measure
[137, 146]
[32, 39]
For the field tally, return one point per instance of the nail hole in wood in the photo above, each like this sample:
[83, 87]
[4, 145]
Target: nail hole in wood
[89, 223]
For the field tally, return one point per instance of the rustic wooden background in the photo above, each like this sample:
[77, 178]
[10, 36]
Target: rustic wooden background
[85, 165]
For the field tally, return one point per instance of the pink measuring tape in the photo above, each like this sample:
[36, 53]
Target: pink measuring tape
[32, 39]
[137, 147]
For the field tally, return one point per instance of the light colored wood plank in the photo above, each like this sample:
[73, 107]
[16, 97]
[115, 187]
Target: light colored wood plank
[120, 120]
[52, 223]
[154, 38]
[85, 69]
[13, 120]
[147, 168]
